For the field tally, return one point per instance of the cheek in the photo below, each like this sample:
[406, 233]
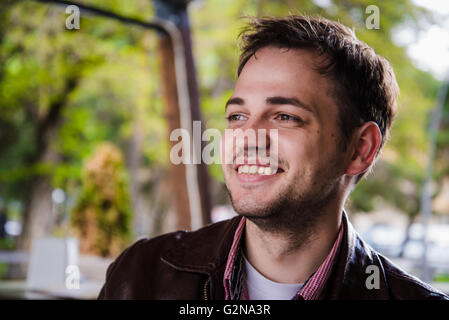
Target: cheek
[295, 148]
[305, 154]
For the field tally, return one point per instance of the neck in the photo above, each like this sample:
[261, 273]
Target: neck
[285, 258]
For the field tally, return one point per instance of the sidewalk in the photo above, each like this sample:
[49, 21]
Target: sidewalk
[92, 269]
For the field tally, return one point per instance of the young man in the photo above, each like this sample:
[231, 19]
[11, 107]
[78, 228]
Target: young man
[332, 101]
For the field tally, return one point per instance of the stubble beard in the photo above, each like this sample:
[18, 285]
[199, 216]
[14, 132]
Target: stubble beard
[294, 215]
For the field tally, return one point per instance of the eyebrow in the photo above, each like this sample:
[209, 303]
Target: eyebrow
[291, 101]
[236, 100]
[275, 100]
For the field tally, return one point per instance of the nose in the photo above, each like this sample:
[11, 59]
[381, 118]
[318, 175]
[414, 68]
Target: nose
[254, 140]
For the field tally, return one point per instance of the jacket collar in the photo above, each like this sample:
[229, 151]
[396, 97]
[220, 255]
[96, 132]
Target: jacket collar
[348, 279]
[202, 251]
[205, 251]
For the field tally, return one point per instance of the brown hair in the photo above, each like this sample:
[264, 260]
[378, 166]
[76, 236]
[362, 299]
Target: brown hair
[365, 84]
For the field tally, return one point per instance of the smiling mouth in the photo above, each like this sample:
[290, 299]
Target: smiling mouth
[252, 175]
[257, 170]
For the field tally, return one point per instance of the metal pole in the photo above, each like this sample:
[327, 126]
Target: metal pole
[176, 12]
[426, 196]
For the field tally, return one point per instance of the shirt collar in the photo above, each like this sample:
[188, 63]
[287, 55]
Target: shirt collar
[312, 287]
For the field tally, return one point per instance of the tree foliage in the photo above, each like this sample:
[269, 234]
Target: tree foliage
[102, 214]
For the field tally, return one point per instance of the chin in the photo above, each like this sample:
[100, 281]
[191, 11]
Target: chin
[252, 207]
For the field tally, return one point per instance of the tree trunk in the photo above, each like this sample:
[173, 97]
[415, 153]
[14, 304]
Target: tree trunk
[37, 218]
[133, 159]
[411, 220]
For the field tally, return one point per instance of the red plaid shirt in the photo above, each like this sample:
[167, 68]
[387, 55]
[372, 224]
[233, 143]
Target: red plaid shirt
[310, 290]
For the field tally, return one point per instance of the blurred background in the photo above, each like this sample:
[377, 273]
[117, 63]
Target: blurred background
[86, 114]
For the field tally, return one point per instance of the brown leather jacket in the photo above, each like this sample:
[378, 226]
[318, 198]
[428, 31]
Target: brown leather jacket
[190, 265]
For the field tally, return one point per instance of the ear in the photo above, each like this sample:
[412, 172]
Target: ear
[366, 143]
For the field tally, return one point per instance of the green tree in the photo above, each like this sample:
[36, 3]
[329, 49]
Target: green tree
[63, 91]
[102, 214]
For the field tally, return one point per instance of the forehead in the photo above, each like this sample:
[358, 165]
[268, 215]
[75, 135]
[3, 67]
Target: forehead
[286, 72]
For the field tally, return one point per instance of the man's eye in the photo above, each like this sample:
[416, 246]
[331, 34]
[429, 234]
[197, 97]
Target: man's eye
[287, 117]
[235, 117]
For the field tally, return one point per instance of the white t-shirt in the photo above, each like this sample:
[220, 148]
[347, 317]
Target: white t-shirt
[261, 288]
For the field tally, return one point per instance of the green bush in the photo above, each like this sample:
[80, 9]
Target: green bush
[102, 214]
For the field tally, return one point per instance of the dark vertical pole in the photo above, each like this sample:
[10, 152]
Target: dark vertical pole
[177, 175]
[176, 12]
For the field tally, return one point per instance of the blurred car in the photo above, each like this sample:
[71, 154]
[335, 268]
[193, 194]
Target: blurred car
[438, 243]
[385, 238]
[389, 240]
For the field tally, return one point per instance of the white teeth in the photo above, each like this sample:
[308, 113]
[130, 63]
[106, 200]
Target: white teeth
[256, 170]
[243, 169]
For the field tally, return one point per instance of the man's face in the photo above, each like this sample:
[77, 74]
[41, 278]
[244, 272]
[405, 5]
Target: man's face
[279, 89]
